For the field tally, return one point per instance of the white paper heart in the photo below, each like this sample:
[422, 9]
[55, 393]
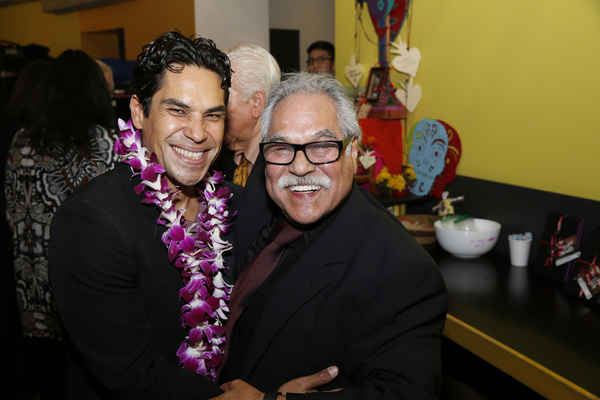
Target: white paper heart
[408, 62]
[414, 96]
[354, 73]
[368, 159]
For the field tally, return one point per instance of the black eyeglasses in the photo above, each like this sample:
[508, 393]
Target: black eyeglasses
[315, 152]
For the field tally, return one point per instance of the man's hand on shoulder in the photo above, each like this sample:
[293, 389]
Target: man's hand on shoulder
[239, 389]
[310, 383]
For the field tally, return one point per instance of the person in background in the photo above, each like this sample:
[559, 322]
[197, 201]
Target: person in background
[68, 141]
[352, 288]
[321, 58]
[108, 75]
[19, 109]
[255, 72]
[21, 106]
[137, 256]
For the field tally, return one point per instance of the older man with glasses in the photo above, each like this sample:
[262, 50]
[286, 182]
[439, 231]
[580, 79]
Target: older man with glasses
[333, 279]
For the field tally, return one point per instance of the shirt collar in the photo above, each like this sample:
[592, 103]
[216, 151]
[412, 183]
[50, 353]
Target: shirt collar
[251, 151]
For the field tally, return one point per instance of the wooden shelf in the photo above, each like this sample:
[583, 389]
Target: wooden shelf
[387, 112]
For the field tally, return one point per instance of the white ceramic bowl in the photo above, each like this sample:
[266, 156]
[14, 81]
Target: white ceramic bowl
[470, 243]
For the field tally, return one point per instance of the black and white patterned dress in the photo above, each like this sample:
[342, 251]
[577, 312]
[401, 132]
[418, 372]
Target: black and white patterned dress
[35, 186]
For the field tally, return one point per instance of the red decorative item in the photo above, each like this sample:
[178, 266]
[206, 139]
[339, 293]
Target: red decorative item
[397, 15]
[452, 158]
[380, 8]
[388, 133]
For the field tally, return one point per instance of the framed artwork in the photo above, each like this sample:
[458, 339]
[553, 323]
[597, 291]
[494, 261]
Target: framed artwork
[377, 79]
[584, 277]
[560, 246]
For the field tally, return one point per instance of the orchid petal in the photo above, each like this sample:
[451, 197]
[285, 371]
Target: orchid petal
[194, 248]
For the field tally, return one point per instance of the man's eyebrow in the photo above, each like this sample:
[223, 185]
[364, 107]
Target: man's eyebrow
[220, 108]
[326, 133]
[176, 103]
[181, 104]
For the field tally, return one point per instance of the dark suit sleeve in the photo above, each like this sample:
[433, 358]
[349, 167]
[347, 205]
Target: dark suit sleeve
[225, 164]
[95, 276]
[394, 346]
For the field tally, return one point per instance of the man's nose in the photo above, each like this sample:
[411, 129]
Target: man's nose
[196, 131]
[301, 166]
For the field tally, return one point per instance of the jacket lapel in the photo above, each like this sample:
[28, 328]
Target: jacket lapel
[316, 269]
[255, 210]
[148, 210]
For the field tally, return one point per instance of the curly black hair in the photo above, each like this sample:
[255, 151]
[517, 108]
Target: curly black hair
[173, 51]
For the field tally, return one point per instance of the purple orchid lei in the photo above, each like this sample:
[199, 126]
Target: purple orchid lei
[194, 248]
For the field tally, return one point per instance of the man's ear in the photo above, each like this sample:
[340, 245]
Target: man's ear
[258, 103]
[354, 152]
[137, 111]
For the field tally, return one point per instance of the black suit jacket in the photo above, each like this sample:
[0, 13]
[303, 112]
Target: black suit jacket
[225, 164]
[365, 296]
[118, 296]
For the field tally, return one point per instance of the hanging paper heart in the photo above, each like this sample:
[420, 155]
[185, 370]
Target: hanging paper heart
[354, 71]
[367, 159]
[410, 95]
[408, 59]
[397, 15]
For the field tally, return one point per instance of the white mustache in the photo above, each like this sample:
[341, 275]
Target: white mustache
[308, 180]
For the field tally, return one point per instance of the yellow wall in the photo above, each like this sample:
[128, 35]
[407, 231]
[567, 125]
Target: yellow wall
[141, 20]
[517, 79]
[26, 23]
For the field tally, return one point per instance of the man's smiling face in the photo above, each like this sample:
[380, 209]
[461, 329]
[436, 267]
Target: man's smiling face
[184, 127]
[304, 118]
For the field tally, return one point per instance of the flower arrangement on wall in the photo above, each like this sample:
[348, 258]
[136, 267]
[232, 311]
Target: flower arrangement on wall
[384, 183]
[394, 184]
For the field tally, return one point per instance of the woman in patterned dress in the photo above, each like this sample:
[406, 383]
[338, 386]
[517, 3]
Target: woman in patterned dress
[69, 142]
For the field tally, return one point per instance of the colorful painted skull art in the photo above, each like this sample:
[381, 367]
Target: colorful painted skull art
[427, 154]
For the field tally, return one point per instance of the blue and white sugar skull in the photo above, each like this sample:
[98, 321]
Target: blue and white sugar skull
[427, 154]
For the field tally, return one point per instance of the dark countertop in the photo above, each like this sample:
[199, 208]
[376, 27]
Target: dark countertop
[527, 312]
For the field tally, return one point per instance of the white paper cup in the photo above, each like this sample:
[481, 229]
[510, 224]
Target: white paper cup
[519, 252]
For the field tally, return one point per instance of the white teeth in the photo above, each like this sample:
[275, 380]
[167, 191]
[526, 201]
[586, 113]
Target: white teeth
[189, 154]
[304, 188]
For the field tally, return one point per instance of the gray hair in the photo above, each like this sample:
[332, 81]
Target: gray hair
[254, 69]
[313, 84]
